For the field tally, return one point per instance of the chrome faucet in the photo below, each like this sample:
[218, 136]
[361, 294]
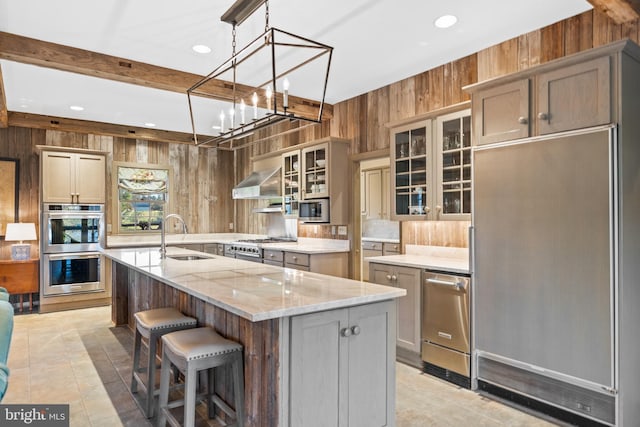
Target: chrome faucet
[163, 232]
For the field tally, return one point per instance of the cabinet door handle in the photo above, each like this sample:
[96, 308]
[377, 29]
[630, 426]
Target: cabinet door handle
[388, 277]
[355, 330]
[295, 258]
[543, 116]
[270, 255]
[394, 278]
[522, 120]
[345, 332]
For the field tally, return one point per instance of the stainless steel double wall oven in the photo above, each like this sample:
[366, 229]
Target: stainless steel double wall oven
[72, 235]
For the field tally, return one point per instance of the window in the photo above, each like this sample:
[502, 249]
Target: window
[142, 195]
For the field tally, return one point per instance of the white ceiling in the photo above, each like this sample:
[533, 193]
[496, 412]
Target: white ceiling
[376, 42]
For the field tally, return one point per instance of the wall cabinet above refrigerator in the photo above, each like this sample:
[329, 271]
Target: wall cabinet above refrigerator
[555, 100]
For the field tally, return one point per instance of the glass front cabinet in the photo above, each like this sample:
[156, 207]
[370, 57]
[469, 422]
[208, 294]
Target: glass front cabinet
[453, 199]
[291, 183]
[315, 179]
[431, 169]
[412, 171]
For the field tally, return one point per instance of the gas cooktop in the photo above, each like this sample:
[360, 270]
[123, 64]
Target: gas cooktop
[265, 240]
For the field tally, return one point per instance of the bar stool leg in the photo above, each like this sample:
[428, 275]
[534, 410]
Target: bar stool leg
[136, 361]
[151, 374]
[163, 399]
[190, 396]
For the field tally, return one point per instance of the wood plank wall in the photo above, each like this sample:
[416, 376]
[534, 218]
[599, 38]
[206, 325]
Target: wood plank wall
[202, 178]
[206, 176]
[361, 119]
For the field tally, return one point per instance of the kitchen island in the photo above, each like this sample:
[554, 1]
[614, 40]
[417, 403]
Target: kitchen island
[318, 350]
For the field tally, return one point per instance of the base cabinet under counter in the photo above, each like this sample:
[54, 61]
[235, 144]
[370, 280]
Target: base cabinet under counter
[408, 335]
[332, 264]
[342, 367]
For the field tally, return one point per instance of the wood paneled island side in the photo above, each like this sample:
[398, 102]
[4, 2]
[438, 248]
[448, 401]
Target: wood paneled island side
[293, 325]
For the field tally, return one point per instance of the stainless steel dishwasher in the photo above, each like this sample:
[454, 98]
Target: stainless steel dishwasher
[445, 327]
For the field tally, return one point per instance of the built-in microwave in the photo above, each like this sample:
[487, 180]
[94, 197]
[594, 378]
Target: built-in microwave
[316, 210]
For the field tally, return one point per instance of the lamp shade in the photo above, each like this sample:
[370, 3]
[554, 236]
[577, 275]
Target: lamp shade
[20, 231]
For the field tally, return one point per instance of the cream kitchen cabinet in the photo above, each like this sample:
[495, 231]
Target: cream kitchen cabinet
[342, 367]
[291, 183]
[431, 168]
[72, 177]
[375, 195]
[412, 172]
[559, 96]
[409, 320]
[389, 248]
[332, 264]
[317, 169]
[453, 157]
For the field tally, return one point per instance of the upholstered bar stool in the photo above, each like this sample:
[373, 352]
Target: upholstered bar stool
[151, 325]
[192, 351]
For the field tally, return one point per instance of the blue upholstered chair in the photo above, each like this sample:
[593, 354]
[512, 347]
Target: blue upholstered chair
[6, 330]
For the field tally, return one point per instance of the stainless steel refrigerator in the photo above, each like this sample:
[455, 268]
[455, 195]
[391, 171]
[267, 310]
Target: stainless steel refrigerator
[546, 247]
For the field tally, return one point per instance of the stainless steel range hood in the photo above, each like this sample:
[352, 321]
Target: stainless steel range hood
[264, 184]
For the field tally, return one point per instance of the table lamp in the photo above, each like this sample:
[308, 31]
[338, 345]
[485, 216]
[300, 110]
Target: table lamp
[20, 231]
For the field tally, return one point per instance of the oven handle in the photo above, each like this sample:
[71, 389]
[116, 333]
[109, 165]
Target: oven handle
[74, 215]
[74, 256]
[456, 285]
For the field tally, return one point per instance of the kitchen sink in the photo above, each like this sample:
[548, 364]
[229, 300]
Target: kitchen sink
[188, 257]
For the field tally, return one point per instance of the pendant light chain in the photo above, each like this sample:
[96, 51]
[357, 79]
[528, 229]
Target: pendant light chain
[266, 16]
[233, 54]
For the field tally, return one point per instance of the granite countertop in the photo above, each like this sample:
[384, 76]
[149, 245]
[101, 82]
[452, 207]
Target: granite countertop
[453, 260]
[250, 290]
[311, 246]
[303, 245]
[130, 241]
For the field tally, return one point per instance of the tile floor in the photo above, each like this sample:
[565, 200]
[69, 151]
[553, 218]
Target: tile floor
[78, 357]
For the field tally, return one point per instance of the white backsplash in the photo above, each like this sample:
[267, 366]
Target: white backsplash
[381, 229]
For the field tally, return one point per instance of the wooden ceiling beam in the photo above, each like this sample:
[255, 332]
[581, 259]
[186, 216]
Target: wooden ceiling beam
[51, 55]
[620, 11]
[4, 118]
[38, 121]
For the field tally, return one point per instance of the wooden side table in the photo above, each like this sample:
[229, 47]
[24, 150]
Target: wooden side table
[20, 277]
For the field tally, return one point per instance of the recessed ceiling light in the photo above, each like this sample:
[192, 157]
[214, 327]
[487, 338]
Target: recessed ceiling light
[151, 125]
[76, 108]
[24, 106]
[201, 48]
[445, 21]
[216, 127]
